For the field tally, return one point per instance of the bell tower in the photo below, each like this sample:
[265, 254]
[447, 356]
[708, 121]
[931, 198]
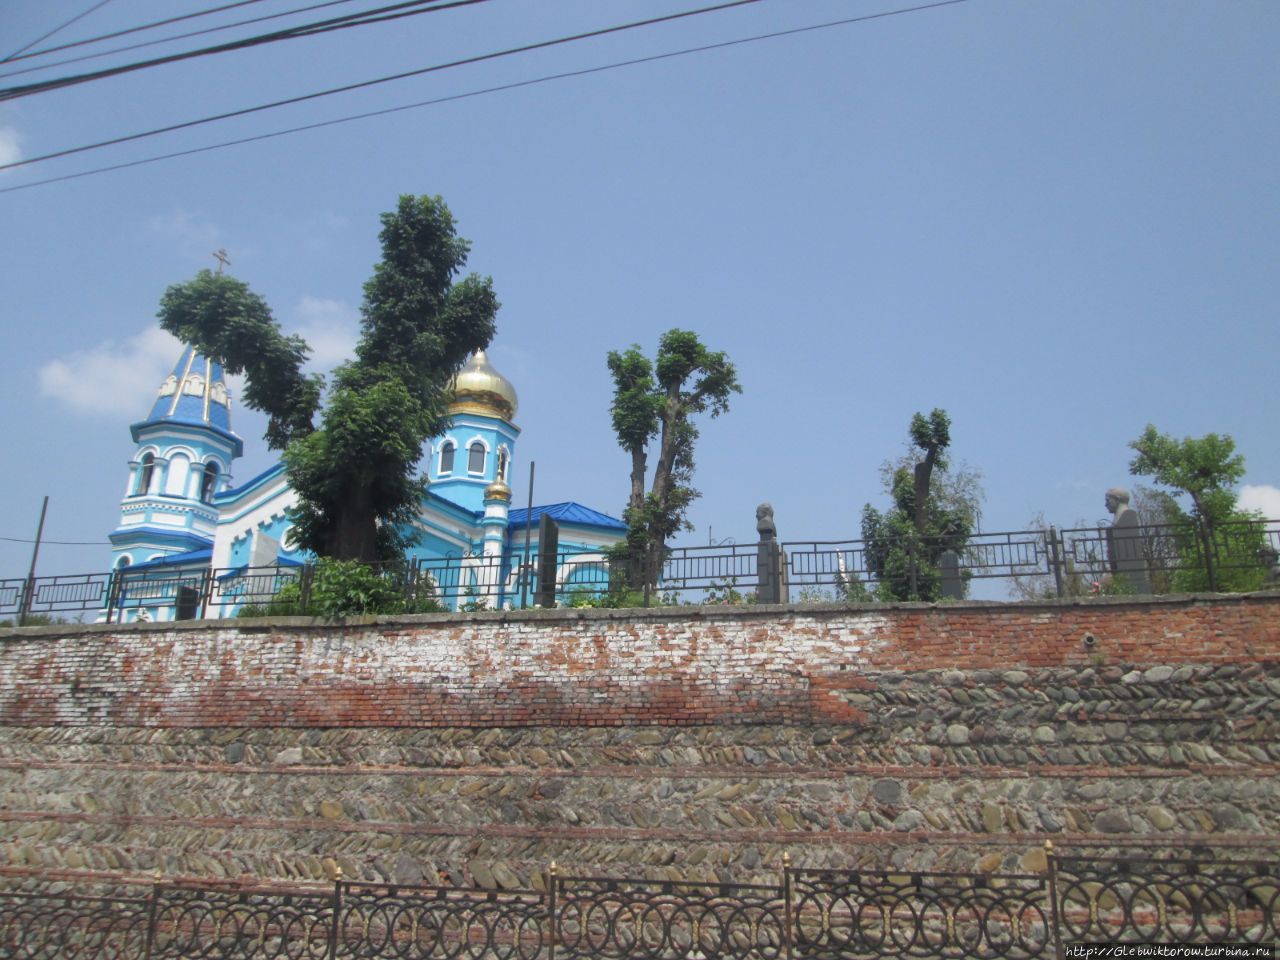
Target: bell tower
[182, 457]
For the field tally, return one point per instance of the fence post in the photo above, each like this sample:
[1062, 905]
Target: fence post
[787, 919]
[206, 592]
[305, 589]
[551, 910]
[28, 595]
[1051, 862]
[149, 943]
[337, 914]
[1055, 561]
[113, 594]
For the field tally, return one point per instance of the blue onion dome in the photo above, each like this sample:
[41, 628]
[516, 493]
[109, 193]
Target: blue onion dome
[194, 394]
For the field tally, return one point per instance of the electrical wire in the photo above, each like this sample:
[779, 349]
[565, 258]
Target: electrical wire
[586, 71]
[60, 27]
[408, 8]
[118, 33]
[480, 58]
[59, 543]
[176, 36]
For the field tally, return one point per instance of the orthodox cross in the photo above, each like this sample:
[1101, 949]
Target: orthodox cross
[223, 260]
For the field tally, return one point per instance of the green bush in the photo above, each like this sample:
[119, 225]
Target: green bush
[340, 588]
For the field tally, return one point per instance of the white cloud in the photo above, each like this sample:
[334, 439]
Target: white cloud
[115, 378]
[330, 327]
[10, 145]
[1261, 497]
[192, 236]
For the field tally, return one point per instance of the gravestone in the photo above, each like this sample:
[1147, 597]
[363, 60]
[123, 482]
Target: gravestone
[1124, 542]
[548, 554]
[952, 582]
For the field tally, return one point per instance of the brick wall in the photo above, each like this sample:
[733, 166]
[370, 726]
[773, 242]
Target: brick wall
[699, 741]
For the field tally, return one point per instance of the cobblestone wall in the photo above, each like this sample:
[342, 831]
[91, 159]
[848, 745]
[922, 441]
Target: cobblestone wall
[702, 743]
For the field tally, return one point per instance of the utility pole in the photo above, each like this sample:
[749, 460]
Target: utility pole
[28, 594]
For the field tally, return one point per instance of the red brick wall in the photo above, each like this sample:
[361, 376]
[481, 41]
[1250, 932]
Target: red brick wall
[585, 668]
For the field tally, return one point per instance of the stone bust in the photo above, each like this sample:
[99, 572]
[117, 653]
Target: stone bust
[1117, 501]
[764, 522]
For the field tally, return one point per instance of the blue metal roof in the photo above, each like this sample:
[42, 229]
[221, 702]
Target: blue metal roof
[266, 474]
[567, 512]
[176, 559]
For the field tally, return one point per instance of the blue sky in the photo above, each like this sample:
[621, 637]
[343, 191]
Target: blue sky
[1057, 220]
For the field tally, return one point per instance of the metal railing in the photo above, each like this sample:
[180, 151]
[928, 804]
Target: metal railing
[828, 914]
[1035, 563]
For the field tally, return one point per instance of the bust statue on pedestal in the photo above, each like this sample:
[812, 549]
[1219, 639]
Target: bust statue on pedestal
[1124, 542]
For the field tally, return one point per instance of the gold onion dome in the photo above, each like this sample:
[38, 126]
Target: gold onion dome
[497, 491]
[479, 388]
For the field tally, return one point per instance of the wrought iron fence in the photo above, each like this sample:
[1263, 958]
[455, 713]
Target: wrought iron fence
[818, 914]
[1165, 900]
[1035, 563]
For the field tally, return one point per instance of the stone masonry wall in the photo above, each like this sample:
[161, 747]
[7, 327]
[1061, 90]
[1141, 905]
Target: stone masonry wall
[697, 742]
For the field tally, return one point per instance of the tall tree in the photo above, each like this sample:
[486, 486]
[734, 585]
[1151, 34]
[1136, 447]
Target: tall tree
[355, 475]
[1206, 469]
[656, 400]
[927, 517]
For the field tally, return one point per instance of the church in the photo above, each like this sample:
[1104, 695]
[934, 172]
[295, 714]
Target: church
[191, 543]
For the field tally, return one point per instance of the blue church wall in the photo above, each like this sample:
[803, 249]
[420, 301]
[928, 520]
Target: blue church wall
[181, 521]
[459, 482]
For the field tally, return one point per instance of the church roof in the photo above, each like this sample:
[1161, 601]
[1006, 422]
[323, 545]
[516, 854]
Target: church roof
[567, 512]
[194, 394]
[203, 555]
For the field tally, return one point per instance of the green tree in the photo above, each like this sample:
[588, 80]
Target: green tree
[904, 543]
[656, 400]
[355, 474]
[1218, 544]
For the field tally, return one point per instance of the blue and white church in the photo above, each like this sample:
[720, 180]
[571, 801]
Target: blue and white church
[190, 540]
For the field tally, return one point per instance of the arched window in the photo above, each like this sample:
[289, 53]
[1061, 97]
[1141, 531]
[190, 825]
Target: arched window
[503, 457]
[446, 459]
[209, 482]
[475, 458]
[146, 473]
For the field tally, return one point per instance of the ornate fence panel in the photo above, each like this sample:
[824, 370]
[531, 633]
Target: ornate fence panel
[1168, 901]
[598, 917]
[194, 922]
[867, 914]
[40, 926]
[430, 923]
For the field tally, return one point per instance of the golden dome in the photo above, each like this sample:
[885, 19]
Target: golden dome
[479, 388]
[497, 491]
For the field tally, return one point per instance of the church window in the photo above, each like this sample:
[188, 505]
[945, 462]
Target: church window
[503, 457]
[475, 458]
[446, 460]
[146, 473]
[209, 482]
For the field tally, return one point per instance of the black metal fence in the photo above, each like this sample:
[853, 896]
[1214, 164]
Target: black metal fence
[827, 914]
[1033, 563]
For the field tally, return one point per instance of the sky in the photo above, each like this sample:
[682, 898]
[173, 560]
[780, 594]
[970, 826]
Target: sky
[1059, 221]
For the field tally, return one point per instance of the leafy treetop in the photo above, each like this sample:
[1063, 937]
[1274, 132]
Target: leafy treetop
[355, 474]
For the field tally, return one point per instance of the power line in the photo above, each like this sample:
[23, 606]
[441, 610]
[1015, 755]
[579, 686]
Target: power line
[119, 33]
[177, 36]
[58, 28]
[540, 45]
[487, 90]
[60, 543]
[408, 8]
